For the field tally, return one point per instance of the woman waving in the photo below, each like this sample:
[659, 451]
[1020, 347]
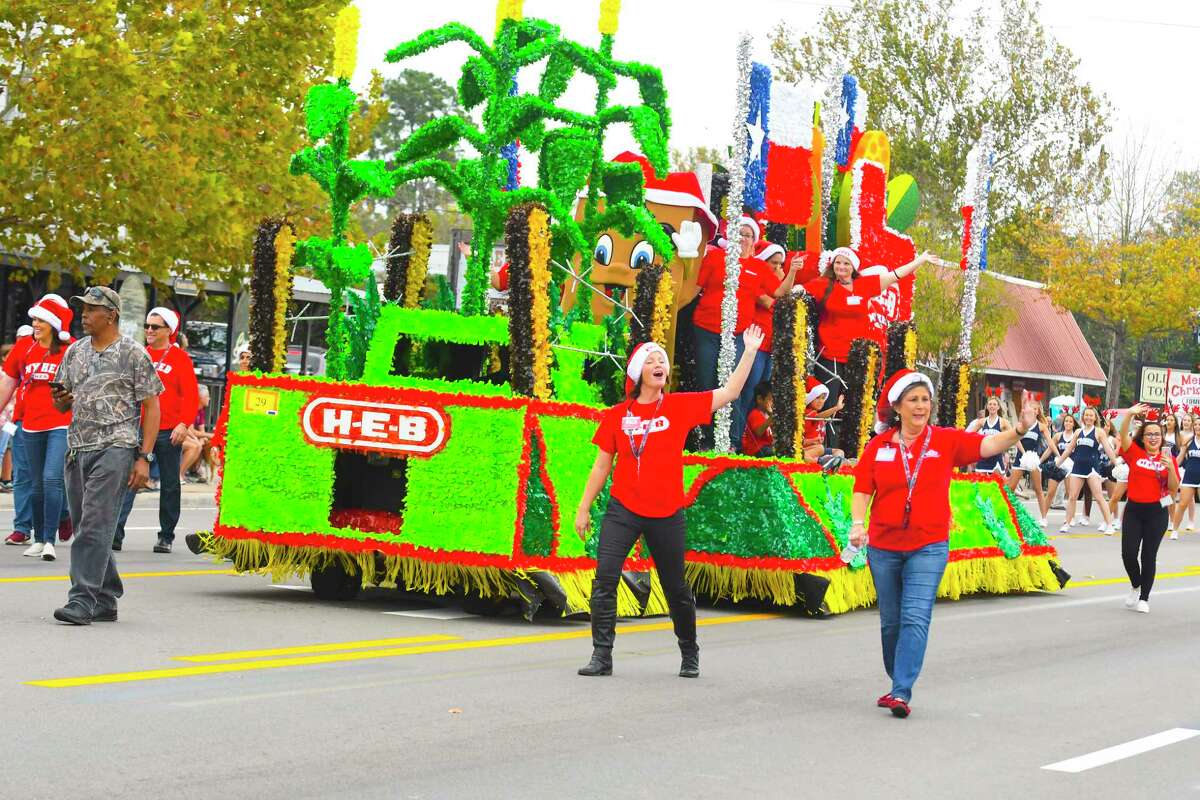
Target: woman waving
[1033, 449]
[903, 475]
[645, 436]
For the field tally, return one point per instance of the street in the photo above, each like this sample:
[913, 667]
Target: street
[218, 685]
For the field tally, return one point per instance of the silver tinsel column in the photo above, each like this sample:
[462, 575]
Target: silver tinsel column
[975, 193]
[833, 119]
[733, 210]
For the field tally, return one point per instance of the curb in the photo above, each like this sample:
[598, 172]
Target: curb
[189, 500]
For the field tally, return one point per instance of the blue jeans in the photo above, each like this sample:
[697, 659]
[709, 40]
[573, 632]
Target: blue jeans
[167, 456]
[906, 583]
[758, 373]
[22, 487]
[46, 457]
[708, 347]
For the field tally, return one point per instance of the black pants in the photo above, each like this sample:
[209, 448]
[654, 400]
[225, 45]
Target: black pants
[667, 539]
[1142, 527]
[825, 374]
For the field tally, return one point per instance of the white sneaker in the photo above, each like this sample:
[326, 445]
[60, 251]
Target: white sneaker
[1065, 528]
[1108, 530]
[1143, 607]
[1043, 522]
[1191, 528]
[1082, 522]
[1132, 599]
[1175, 535]
[35, 550]
[48, 552]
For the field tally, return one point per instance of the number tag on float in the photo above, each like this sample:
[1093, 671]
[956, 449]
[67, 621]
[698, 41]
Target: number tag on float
[853, 300]
[886, 454]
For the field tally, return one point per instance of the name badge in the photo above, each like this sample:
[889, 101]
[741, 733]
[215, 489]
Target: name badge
[630, 424]
[853, 300]
[886, 454]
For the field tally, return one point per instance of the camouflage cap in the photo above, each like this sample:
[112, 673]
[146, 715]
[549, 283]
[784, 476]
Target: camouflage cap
[99, 296]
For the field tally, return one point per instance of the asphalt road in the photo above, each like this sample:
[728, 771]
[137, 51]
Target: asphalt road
[179, 699]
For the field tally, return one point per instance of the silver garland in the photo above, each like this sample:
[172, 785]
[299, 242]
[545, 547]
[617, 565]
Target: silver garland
[833, 119]
[733, 211]
[979, 173]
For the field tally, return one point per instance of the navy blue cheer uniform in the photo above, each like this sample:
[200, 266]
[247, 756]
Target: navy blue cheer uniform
[1086, 455]
[1032, 440]
[991, 464]
[1191, 464]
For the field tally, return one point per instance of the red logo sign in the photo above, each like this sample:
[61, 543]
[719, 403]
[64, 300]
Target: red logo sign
[383, 427]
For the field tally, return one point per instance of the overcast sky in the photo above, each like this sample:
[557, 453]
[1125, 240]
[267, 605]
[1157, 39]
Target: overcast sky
[1142, 55]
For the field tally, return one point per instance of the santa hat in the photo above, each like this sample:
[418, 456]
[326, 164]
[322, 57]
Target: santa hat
[770, 249]
[829, 255]
[55, 312]
[895, 387]
[752, 224]
[24, 330]
[815, 389]
[168, 316]
[638, 360]
[677, 189]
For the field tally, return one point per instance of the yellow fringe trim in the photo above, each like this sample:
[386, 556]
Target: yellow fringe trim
[285, 242]
[799, 374]
[964, 390]
[866, 420]
[420, 244]
[539, 268]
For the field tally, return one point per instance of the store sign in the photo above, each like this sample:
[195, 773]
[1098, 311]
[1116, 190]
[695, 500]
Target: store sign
[1152, 385]
[382, 427]
[1183, 389]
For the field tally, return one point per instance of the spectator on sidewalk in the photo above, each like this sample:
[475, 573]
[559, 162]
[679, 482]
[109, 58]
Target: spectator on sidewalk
[105, 380]
[197, 448]
[177, 408]
[22, 499]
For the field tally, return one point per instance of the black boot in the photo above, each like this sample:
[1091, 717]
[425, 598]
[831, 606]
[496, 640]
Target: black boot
[689, 665]
[601, 663]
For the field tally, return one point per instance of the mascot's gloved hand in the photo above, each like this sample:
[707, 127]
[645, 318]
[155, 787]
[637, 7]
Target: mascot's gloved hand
[688, 239]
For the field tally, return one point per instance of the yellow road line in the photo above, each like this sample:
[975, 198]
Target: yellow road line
[315, 648]
[1162, 576]
[331, 658]
[125, 575]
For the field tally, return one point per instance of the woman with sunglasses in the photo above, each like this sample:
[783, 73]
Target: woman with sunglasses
[1153, 482]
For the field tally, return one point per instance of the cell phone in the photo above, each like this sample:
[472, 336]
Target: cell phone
[57, 386]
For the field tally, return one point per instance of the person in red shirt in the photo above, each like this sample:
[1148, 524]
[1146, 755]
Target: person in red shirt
[777, 282]
[843, 296]
[904, 474]
[645, 436]
[815, 417]
[1153, 482]
[759, 440]
[43, 427]
[11, 387]
[177, 405]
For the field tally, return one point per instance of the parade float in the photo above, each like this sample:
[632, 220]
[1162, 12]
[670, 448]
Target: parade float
[446, 449]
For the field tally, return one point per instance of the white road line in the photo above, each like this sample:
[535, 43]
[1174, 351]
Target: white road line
[1126, 750]
[432, 613]
[289, 586]
[952, 613]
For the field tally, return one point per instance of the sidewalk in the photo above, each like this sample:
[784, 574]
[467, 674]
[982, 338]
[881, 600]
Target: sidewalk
[195, 495]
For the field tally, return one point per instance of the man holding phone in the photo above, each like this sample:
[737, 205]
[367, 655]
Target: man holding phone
[107, 380]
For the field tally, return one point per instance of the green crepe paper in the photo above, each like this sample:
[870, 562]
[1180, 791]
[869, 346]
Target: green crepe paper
[690, 473]
[569, 458]
[360, 328]
[257, 495]
[464, 497]
[968, 529]
[753, 513]
[1031, 531]
[326, 106]
[999, 530]
[567, 370]
[829, 498]
[537, 538]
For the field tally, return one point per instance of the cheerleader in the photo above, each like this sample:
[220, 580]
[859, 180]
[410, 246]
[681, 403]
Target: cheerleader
[1189, 463]
[1172, 443]
[1035, 447]
[1084, 451]
[990, 424]
[1056, 470]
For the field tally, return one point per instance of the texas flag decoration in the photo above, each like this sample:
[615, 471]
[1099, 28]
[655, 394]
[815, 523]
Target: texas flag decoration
[757, 125]
[789, 191]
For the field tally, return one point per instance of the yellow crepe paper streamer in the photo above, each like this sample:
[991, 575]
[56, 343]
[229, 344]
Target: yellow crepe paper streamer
[960, 402]
[508, 9]
[285, 245]
[867, 419]
[418, 262]
[799, 386]
[910, 348]
[609, 10]
[661, 322]
[345, 42]
[539, 267]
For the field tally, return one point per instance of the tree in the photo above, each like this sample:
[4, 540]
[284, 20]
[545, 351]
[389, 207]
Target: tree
[691, 158]
[1183, 204]
[154, 136]
[936, 302]
[413, 98]
[934, 83]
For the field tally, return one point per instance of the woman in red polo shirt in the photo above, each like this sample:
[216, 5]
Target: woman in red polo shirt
[645, 435]
[1153, 482]
[842, 296]
[904, 476]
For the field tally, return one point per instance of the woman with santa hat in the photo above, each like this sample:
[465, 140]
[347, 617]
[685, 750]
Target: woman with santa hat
[43, 427]
[903, 475]
[645, 436]
[706, 319]
[178, 405]
[777, 281]
[842, 296]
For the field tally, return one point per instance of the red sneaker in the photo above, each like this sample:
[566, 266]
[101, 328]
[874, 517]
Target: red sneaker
[17, 538]
[65, 530]
[885, 701]
[899, 708]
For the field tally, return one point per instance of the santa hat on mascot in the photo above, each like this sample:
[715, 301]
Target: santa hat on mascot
[55, 312]
[677, 189]
[637, 361]
[900, 382]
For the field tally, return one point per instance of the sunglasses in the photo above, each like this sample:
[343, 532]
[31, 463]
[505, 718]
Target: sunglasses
[152, 327]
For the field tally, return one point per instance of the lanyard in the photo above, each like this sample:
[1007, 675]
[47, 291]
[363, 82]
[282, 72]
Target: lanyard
[910, 475]
[641, 446]
[163, 358]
